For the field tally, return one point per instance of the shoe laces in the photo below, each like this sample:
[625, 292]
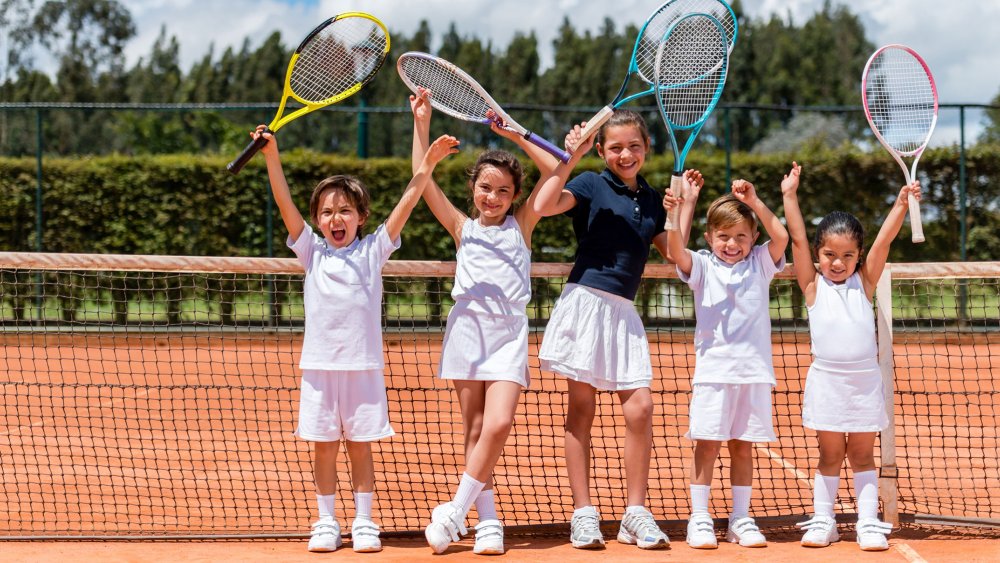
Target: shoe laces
[587, 524]
[643, 523]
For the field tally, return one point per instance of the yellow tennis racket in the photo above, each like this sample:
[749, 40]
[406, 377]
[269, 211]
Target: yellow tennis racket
[332, 63]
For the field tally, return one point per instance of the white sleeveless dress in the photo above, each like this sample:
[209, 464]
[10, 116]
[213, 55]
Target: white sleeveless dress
[487, 334]
[844, 391]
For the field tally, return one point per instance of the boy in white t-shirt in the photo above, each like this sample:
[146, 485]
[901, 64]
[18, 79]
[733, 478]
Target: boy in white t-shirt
[734, 373]
[343, 389]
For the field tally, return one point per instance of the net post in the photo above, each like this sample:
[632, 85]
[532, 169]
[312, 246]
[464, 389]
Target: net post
[887, 441]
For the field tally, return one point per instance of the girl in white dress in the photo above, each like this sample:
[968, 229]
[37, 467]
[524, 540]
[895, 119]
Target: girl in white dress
[485, 350]
[843, 400]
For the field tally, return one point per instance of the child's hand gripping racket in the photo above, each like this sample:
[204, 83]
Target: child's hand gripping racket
[647, 44]
[691, 67]
[332, 63]
[901, 104]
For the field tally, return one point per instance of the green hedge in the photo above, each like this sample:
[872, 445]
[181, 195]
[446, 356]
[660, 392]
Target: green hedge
[189, 204]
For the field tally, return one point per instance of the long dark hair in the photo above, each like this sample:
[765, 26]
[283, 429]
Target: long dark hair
[501, 160]
[841, 223]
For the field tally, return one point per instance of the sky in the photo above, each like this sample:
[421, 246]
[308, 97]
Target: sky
[958, 42]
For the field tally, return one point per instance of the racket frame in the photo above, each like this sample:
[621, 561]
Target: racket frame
[909, 173]
[605, 113]
[502, 116]
[680, 154]
[279, 120]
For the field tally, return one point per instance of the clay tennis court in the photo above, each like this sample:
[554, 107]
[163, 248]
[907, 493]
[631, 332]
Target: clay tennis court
[152, 433]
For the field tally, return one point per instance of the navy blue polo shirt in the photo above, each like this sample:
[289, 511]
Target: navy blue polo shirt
[614, 227]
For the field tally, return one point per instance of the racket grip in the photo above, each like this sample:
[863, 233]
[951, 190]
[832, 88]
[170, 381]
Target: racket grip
[547, 146]
[255, 145]
[674, 215]
[593, 124]
[916, 225]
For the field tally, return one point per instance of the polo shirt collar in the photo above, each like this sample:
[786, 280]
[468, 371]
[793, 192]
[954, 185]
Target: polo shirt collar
[620, 186]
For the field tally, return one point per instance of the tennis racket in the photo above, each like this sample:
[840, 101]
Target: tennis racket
[457, 94]
[901, 104]
[691, 67]
[332, 63]
[652, 33]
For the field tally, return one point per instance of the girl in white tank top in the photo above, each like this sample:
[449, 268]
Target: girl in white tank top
[843, 400]
[485, 351]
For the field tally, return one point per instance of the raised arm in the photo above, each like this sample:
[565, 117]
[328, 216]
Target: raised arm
[550, 197]
[450, 217]
[745, 192]
[802, 260]
[290, 214]
[442, 147]
[688, 200]
[871, 270]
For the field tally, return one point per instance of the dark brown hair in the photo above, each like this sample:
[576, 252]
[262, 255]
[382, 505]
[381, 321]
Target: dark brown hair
[623, 117]
[351, 187]
[841, 223]
[501, 160]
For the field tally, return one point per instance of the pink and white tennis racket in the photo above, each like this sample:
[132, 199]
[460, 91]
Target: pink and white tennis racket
[901, 104]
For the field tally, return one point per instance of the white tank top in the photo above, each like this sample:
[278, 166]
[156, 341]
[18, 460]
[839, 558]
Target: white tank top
[842, 322]
[493, 269]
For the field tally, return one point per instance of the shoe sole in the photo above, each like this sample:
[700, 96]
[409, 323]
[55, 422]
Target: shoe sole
[596, 544]
[489, 551]
[368, 549]
[632, 540]
[703, 545]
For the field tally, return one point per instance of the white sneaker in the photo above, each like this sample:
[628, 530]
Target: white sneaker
[701, 532]
[489, 538]
[821, 531]
[872, 534]
[745, 532]
[447, 525]
[585, 531]
[325, 536]
[364, 536]
[639, 528]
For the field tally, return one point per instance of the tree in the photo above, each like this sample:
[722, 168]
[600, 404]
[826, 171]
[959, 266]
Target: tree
[991, 122]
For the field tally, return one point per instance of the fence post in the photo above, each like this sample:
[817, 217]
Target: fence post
[362, 128]
[963, 288]
[39, 288]
[729, 146]
[888, 473]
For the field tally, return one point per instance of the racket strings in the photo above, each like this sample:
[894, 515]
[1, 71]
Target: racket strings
[691, 71]
[344, 54]
[450, 93]
[668, 15]
[901, 101]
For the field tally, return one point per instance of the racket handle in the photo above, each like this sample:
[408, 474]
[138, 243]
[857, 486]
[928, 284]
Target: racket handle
[547, 146]
[674, 215]
[593, 124]
[255, 145]
[916, 226]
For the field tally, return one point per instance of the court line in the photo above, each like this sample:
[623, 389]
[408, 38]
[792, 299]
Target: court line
[909, 553]
[802, 476]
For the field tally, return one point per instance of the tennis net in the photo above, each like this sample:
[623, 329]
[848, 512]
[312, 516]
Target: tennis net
[157, 396]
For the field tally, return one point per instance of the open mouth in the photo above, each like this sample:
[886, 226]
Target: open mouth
[338, 235]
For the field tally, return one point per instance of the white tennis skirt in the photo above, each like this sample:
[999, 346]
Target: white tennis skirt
[481, 346]
[844, 397]
[597, 338]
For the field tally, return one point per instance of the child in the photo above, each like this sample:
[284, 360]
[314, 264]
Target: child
[595, 338]
[733, 376]
[485, 351]
[343, 390]
[843, 399]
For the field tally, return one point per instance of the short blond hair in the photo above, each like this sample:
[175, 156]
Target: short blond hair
[727, 211]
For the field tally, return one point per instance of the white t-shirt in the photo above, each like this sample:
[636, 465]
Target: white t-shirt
[732, 337]
[343, 300]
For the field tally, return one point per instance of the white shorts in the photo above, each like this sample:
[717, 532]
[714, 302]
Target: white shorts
[481, 346]
[349, 405]
[731, 411]
[597, 338]
[844, 397]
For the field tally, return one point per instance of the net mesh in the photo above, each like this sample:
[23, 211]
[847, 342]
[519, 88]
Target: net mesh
[158, 397]
[900, 99]
[691, 71]
[451, 90]
[339, 57]
[668, 14]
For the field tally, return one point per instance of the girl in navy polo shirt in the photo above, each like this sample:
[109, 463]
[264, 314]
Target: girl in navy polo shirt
[595, 338]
